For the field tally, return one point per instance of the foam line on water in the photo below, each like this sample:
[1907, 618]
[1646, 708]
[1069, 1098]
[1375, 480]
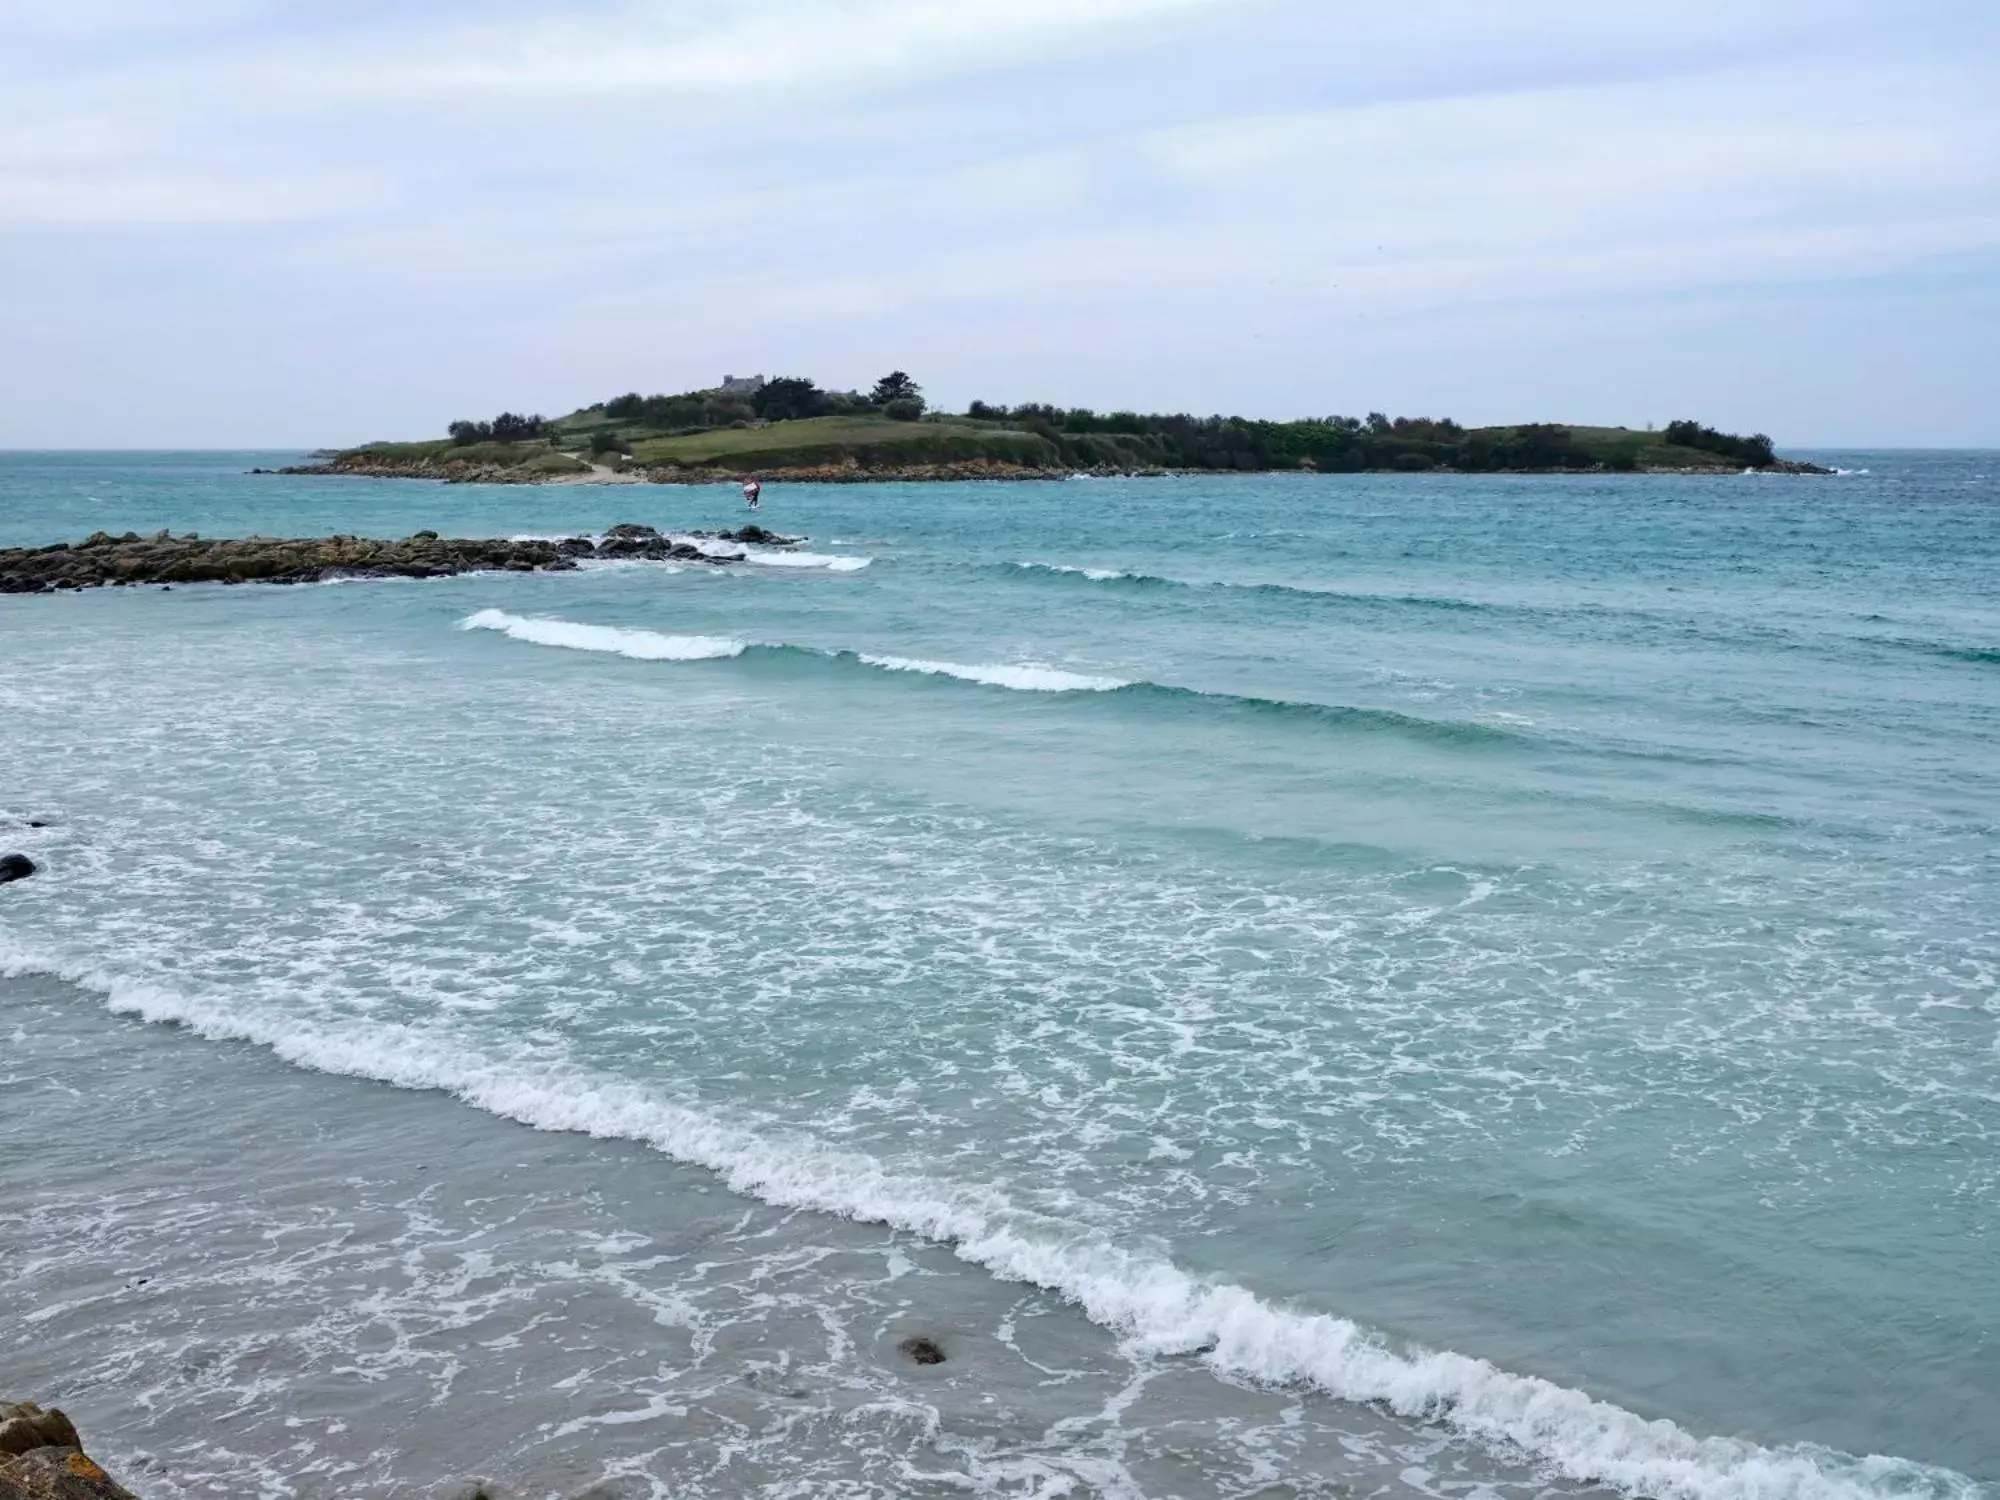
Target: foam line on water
[641, 645]
[1155, 1305]
[831, 562]
[1023, 678]
[1297, 591]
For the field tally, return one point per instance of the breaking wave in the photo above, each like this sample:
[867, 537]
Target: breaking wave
[1024, 678]
[1020, 677]
[1155, 1305]
[641, 645]
[831, 562]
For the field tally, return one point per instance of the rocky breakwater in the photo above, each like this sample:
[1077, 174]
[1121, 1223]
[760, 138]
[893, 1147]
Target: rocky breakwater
[42, 1458]
[102, 560]
[543, 467]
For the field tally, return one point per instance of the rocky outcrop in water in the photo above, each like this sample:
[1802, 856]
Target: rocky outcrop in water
[540, 468]
[102, 560]
[16, 867]
[42, 1458]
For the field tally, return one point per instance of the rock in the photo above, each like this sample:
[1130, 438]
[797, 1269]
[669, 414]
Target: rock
[42, 1458]
[26, 1426]
[105, 560]
[58, 1474]
[759, 535]
[15, 867]
[629, 531]
[921, 1351]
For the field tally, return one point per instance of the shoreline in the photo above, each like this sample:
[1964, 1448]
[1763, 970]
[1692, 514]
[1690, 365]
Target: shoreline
[328, 1302]
[963, 472]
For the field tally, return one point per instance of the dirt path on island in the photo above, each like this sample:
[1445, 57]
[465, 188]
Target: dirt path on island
[599, 474]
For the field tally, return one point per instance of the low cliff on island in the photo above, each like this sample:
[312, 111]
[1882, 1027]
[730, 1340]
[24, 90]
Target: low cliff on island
[791, 429]
[102, 560]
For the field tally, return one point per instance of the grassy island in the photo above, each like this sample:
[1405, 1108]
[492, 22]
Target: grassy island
[791, 428]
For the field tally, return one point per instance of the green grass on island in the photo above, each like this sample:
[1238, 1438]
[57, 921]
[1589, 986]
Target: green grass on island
[791, 424]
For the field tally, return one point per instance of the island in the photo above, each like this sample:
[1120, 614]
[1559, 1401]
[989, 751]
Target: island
[790, 428]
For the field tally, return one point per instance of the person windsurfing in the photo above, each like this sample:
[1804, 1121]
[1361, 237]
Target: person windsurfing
[752, 491]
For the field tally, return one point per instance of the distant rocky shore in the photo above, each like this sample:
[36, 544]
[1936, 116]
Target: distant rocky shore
[42, 1458]
[445, 470]
[102, 560]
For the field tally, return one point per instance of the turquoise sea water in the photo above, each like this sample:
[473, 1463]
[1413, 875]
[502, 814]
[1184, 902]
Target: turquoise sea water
[1514, 957]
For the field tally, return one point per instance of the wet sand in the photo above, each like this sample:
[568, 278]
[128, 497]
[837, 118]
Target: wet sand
[245, 1278]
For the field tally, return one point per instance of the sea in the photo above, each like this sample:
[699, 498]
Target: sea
[1473, 988]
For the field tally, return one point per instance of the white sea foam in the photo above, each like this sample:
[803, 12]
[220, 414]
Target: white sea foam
[832, 563]
[1154, 1305]
[709, 547]
[642, 645]
[1095, 575]
[647, 645]
[1023, 678]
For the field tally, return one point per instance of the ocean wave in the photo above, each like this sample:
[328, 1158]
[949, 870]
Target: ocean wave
[1022, 677]
[774, 557]
[641, 645]
[1155, 1305]
[1095, 575]
[1982, 655]
[1301, 591]
[833, 563]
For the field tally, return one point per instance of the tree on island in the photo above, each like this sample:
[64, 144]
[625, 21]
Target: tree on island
[1041, 434]
[896, 388]
[1755, 452]
[508, 427]
[788, 398]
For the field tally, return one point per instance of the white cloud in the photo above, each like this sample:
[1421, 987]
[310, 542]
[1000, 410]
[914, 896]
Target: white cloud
[747, 51]
[799, 178]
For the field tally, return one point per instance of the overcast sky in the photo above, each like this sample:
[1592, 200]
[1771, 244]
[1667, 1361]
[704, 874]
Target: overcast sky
[275, 222]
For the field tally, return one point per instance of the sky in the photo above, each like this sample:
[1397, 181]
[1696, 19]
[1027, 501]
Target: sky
[279, 223]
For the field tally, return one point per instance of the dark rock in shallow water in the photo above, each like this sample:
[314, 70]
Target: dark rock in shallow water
[756, 534]
[922, 1351]
[42, 1458]
[16, 867]
[103, 559]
